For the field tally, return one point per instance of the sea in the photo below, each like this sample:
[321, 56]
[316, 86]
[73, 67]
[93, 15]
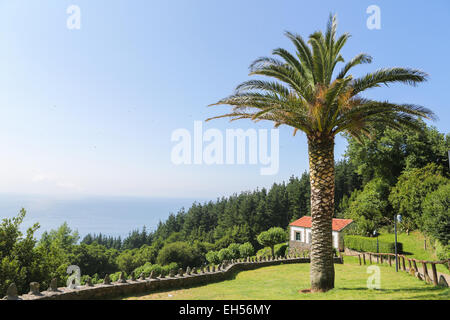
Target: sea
[111, 216]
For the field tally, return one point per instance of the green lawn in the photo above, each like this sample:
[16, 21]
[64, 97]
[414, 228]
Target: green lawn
[413, 246]
[285, 281]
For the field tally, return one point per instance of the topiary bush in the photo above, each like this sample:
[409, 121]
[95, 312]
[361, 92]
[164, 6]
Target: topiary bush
[213, 257]
[366, 244]
[225, 254]
[246, 250]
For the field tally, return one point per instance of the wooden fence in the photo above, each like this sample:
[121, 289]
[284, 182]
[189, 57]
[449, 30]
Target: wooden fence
[402, 261]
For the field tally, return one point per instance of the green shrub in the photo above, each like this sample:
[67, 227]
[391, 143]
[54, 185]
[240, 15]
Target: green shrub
[225, 254]
[115, 276]
[173, 266]
[234, 248]
[360, 243]
[213, 257]
[442, 252]
[280, 250]
[246, 250]
[146, 269]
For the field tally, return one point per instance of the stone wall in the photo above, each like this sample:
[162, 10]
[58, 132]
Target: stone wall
[148, 285]
[298, 247]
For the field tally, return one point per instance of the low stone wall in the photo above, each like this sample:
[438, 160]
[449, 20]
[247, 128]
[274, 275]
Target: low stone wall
[297, 247]
[133, 287]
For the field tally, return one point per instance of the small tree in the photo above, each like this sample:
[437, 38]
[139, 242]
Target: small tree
[246, 250]
[212, 257]
[272, 237]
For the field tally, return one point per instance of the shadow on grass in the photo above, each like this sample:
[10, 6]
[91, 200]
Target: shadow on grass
[410, 290]
[232, 276]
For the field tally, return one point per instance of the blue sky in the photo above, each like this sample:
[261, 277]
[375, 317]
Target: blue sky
[91, 111]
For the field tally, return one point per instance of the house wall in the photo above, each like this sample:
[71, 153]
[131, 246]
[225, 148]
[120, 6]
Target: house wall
[306, 234]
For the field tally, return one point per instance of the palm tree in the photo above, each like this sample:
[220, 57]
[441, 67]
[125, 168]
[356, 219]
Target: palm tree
[305, 96]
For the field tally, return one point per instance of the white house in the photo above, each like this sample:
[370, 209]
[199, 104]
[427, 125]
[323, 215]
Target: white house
[300, 232]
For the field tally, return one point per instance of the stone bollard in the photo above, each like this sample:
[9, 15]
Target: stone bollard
[162, 275]
[213, 268]
[180, 272]
[194, 270]
[121, 278]
[107, 280]
[442, 282]
[11, 293]
[53, 287]
[34, 289]
[208, 269]
[142, 276]
[152, 275]
[88, 282]
[171, 273]
[133, 276]
[188, 271]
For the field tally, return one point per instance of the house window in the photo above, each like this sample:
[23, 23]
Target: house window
[298, 236]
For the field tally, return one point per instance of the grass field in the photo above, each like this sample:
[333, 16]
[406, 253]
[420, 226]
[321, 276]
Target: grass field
[285, 281]
[413, 246]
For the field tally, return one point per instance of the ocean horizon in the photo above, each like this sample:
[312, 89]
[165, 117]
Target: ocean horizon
[111, 216]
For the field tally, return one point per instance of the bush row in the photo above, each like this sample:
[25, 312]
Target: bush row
[280, 250]
[366, 244]
[234, 251]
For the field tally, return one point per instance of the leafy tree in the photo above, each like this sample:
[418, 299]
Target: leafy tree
[411, 189]
[94, 259]
[369, 208]
[305, 96]
[181, 253]
[272, 237]
[392, 152]
[436, 214]
[19, 262]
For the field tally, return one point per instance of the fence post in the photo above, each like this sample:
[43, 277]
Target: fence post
[435, 277]
[378, 258]
[403, 263]
[415, 265]
[359, 258]
[425, 270]
[409, 264]
[390, 261]
[381, 259]
[370, 258]
[364, 258]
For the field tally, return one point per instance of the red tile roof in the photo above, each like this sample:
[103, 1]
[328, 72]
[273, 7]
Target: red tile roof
[305, 222]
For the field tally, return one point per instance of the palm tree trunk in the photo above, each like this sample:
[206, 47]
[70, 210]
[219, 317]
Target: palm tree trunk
[321, 166]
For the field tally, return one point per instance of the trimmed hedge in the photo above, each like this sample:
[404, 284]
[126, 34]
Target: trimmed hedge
[366, 244]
